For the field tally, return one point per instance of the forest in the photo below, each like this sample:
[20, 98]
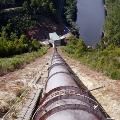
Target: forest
[14, 24]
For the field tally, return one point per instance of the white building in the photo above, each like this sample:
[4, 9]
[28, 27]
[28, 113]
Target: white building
[54, 39]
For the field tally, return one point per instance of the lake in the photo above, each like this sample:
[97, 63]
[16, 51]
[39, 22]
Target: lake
[90, 20]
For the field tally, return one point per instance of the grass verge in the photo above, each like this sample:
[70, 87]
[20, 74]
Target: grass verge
[106, 61]
[18, 61]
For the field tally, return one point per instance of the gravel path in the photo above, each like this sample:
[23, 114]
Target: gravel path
[108, 96]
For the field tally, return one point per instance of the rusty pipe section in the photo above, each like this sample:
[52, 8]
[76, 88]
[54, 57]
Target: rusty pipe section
[64, 99]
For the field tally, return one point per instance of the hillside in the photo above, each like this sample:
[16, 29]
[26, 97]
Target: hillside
[25, 62]
[105, 57]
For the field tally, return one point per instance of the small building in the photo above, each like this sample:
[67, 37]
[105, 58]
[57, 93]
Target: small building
[57, 40]
[54, 38]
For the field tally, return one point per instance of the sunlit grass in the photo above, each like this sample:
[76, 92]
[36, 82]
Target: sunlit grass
[17, 61]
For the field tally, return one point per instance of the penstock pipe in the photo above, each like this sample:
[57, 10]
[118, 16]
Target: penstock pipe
[64, 99]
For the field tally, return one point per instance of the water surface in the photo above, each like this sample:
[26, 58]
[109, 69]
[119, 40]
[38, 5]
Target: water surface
[90, 20]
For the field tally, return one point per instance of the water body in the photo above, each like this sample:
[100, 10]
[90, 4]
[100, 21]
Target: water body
[90, 20]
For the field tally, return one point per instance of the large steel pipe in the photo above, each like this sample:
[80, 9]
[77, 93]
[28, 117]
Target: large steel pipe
[64, 99]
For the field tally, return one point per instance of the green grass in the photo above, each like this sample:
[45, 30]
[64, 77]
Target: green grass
[18, 61]
[106, 61]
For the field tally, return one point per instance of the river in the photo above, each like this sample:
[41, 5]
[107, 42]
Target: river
[90, 20]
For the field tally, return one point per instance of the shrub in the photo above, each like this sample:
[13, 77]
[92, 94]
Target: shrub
[36, 45]
[76, 46]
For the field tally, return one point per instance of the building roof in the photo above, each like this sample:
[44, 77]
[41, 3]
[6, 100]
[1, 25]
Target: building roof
[53, 36]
